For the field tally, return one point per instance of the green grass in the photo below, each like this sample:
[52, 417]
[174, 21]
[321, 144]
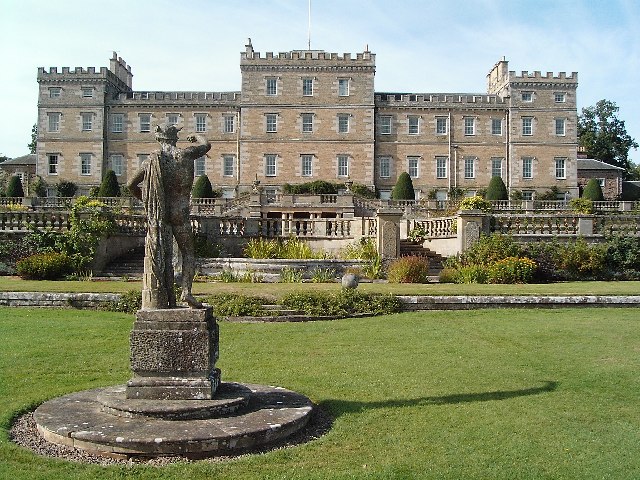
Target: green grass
[12, 284]
[491, 394]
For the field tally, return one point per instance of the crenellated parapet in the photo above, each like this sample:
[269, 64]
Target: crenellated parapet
[438, 100]
[176, 98]
[306, 59]
[500, 79]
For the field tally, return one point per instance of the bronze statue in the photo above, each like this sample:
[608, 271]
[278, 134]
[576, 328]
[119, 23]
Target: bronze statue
[167, 179]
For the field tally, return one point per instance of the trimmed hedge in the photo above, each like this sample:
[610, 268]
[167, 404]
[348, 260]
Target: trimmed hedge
[403, 189]
[44, 266]
[410, 269]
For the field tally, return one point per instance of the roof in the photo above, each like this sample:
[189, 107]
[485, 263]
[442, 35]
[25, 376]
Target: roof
[29, 159]
[592, 164]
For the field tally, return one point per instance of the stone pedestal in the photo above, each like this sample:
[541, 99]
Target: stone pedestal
[173, 355]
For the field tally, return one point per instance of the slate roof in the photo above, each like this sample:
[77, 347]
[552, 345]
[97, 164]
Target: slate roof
[592, 164]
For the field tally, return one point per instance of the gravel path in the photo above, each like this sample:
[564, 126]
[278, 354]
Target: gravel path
[25, 433]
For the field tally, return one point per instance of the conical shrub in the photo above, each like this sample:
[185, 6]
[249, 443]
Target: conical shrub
[593, 191]
[403, 189]
[496, 190]
[202, 188]
[109, 186]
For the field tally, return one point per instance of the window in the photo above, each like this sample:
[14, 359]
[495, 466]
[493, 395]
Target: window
[527, 125]
[601, 182]
[270, 165]
[559, 97]
[496, 126]
[55, 92]
[527, 195]
[145, 122]
[199, 166]
[87, 92]
[469, 167]
[87, 121]
[385, 125]
[414, 125]
[307, 87]
[343, 166]
[142, 157]
[53, 164]
[413, 163]
[117, 123]
[441, 125]
[306, 165]
[272, 123]
[469, 126]
[496, 167]
[307, 122]
[172, 119]
[272, 86]
[229, 123]
[343, 123]
[527, 167]
[85, 164]
[441, 167]
[561, 168]
[343, 87]
[527, 96]
[201, 123]
[54, 122]
[228, 163]
[385, 167]
[560, 124]
[117, 164]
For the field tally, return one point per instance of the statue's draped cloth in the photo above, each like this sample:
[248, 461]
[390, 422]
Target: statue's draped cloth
[157, 283]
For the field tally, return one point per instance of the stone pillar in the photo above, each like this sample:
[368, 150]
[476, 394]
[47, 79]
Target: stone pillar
[585, 226]
[471, 224]
[173, 355]
[389, 233]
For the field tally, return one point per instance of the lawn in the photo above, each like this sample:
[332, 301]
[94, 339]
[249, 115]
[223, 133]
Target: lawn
[499, 394]
[13, 284]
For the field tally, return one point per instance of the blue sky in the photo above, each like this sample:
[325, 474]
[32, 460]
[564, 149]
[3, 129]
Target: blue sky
[421, 46]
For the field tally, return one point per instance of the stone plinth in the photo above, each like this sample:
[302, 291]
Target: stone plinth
[173, 355]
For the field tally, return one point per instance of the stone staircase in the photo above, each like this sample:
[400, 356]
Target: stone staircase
[411, 248]
[130, 265]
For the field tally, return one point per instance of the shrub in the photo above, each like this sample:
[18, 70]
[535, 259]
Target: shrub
[365, 249]
[363, 191]
[623, 254]
[109, 186]
[551, 194]
[317, 187]
[44, 266]
[412, 269]
[202, 188]
[476, 203]
[291, 248]
[471, 274]
[204, 248]
[14, 187]
[39, 187]
[448, 275]
[346, 302]
[290, 275]
[130, 302]
[581, 205]
[403, 189]
[496, 190]
[593, 191]
[568, 261]
[66, 189]
[323, 275]
[232, 305]
[489, 249]
[511, 270]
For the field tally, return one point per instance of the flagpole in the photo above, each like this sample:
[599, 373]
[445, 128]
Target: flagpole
[309, 30]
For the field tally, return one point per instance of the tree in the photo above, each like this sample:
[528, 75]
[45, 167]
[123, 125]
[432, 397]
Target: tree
[496, 190]
[593, 191]
[403, 189]
[66, 189]
[109, 186]
[14, 187]
[34, 139]
[604, 136]
[202, 188]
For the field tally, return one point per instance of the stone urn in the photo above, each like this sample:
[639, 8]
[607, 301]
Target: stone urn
[350, 280]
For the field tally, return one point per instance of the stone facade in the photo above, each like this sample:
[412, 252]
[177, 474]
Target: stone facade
[312, 115]
[609, 176]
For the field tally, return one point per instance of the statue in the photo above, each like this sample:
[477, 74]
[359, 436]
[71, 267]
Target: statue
[167, 179]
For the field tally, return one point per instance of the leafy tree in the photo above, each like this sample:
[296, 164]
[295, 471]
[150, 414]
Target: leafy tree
[109, 186]
[496, 190]
[202, 188]
[34, 139]
[14, 187]
[604, 136]
[403, 189]
[3, 158]
[592, 191]
[66, 189]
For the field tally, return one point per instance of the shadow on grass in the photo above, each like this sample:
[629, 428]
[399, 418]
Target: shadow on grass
[340, 407]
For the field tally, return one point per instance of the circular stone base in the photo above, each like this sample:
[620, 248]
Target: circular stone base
[81, 420]
[229, 398]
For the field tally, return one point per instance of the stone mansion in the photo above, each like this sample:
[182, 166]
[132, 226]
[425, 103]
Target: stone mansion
[308, 115]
